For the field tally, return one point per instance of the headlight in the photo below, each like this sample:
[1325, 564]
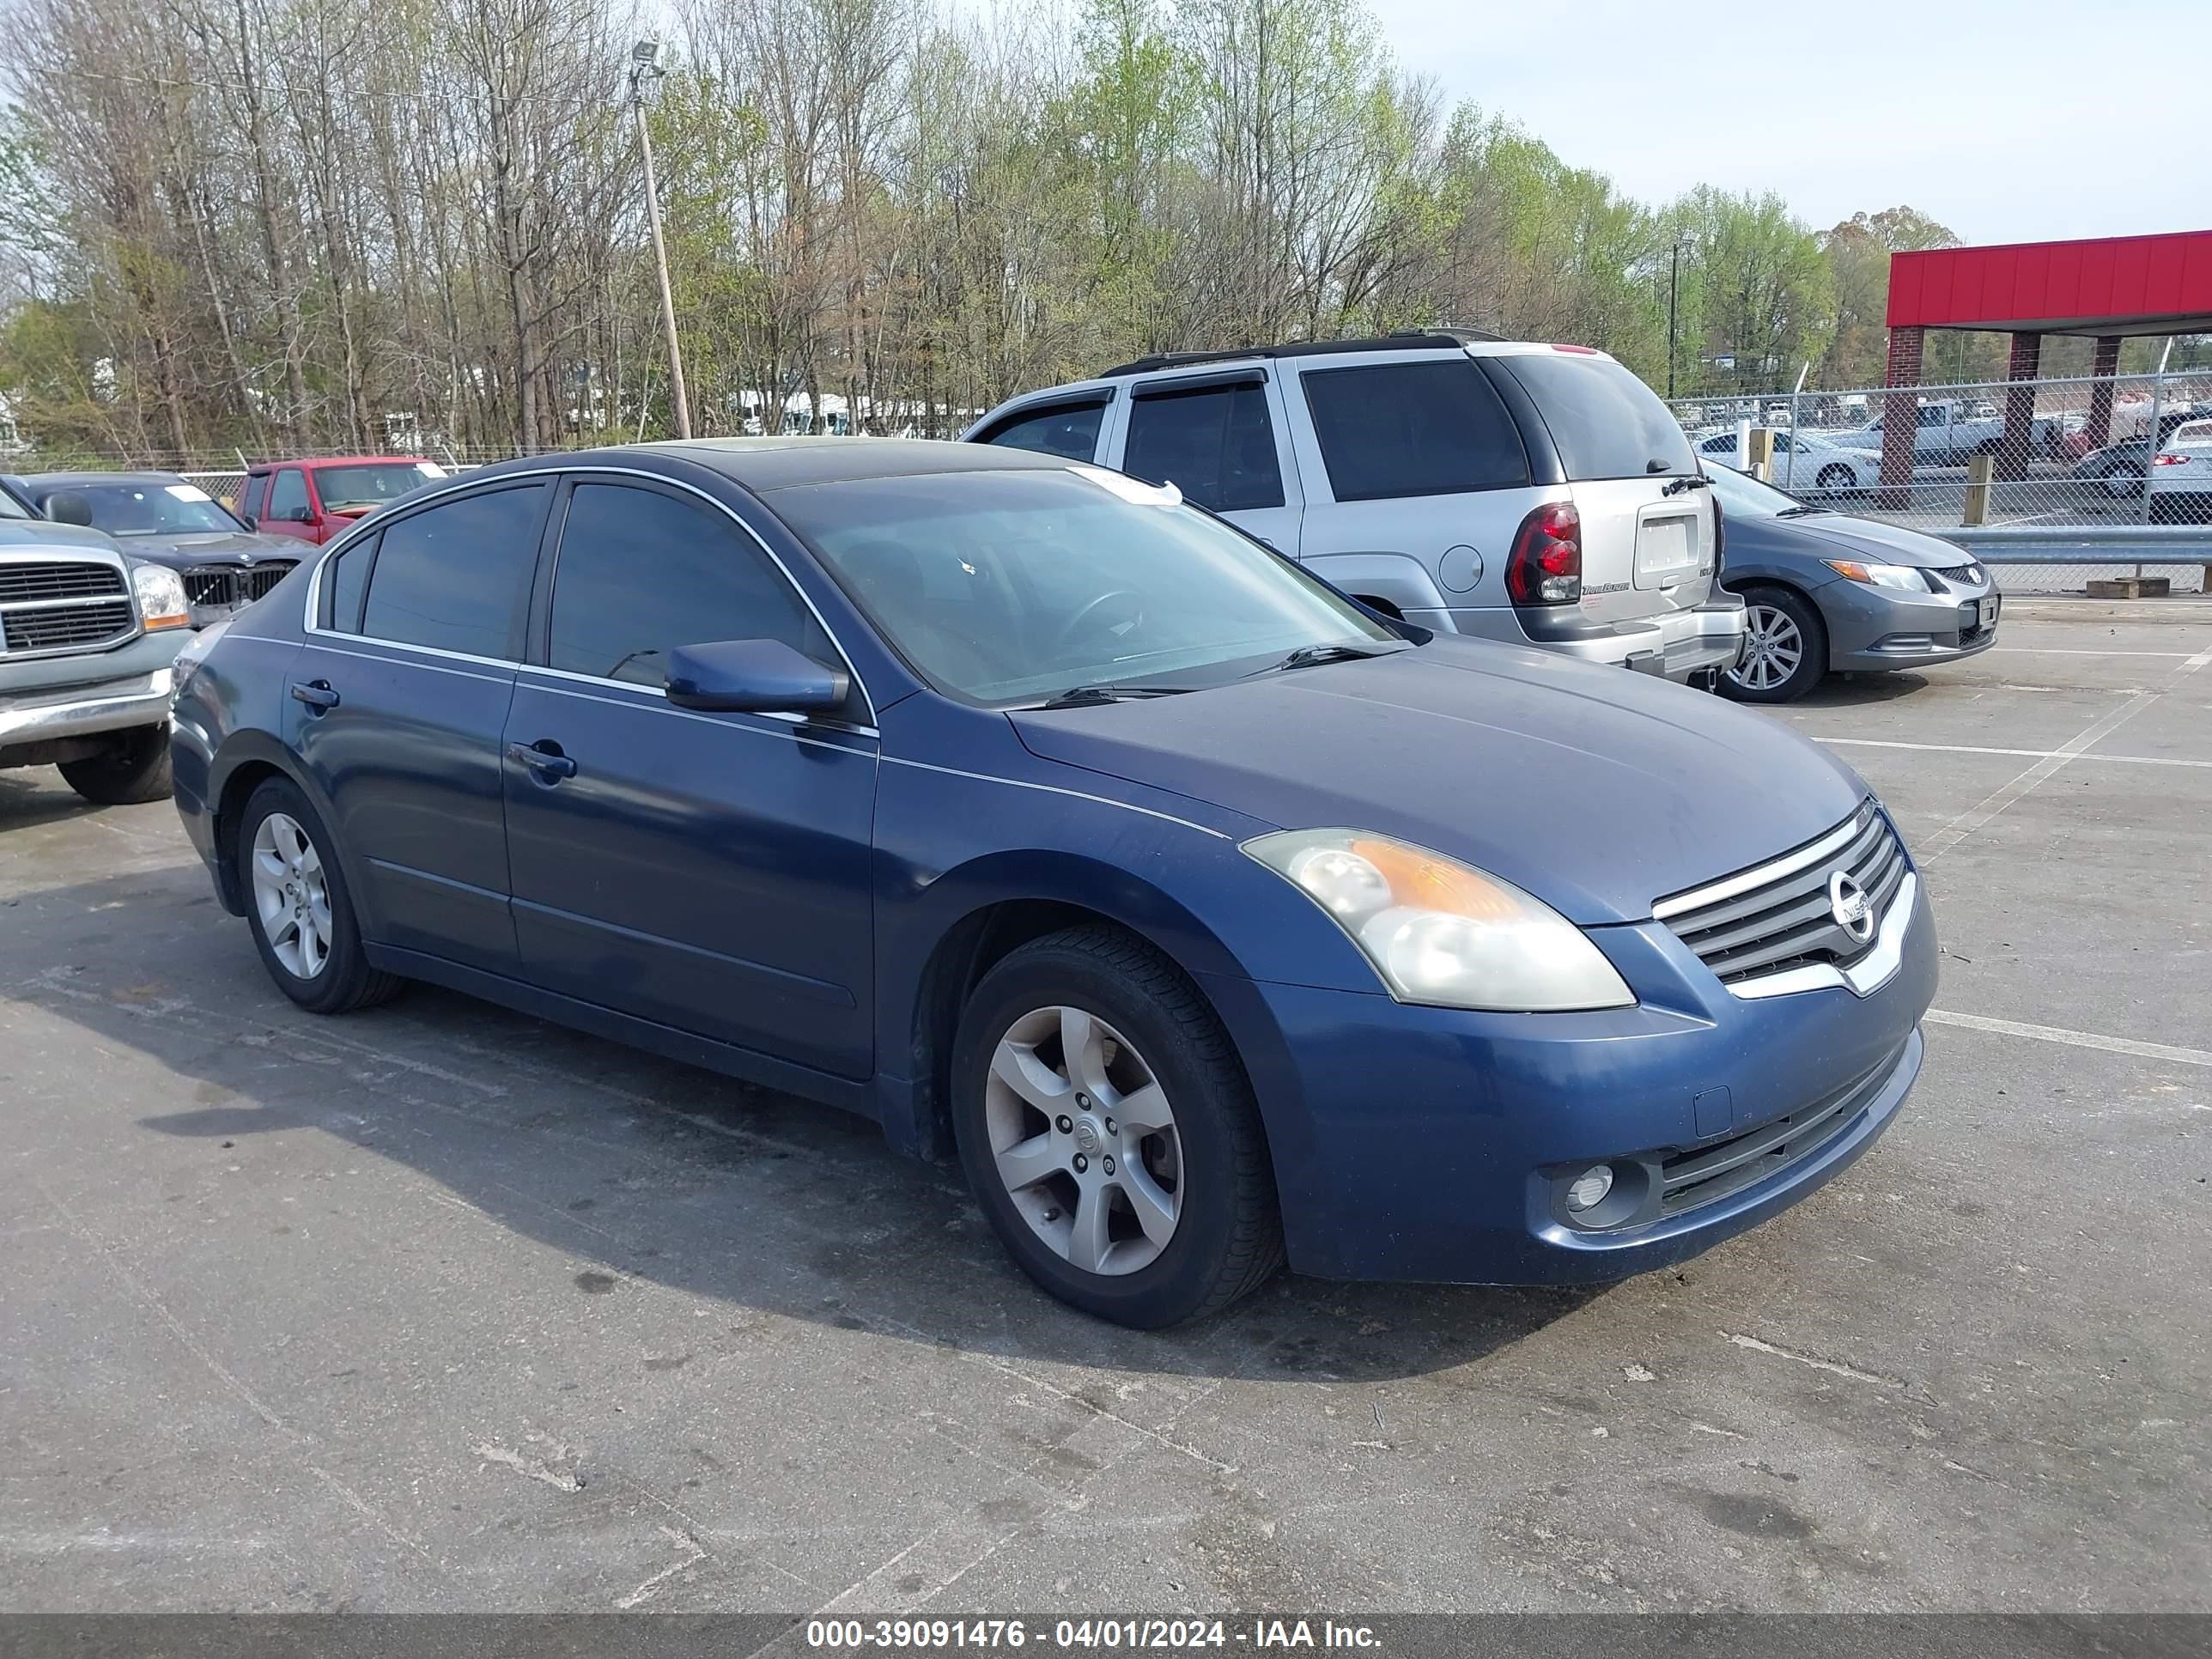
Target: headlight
[160, 593]
[1881, 575]
[1441, 932]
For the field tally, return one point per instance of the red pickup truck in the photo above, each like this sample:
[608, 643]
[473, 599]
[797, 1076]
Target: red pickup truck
[319, 499]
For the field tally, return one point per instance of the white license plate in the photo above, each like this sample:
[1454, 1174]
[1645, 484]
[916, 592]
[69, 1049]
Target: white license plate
[1665, 549]
[1989, 618]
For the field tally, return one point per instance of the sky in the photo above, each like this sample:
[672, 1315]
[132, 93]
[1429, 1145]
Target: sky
[1997, 119]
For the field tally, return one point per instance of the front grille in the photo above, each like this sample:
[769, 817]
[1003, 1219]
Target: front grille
[22, 582]
[1962, 575]
[257, 580]
[214, 586]
[1780, 916]
[1689, 1179]
[54, 628]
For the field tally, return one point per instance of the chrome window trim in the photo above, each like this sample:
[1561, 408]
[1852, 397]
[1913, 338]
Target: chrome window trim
[645, 695]
[1862, 978]
[314, 606]
[1744, 881]
[501, 678]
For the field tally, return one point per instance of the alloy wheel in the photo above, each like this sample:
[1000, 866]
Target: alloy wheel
[1085, 1141]
[291, 895]
[1772, 649]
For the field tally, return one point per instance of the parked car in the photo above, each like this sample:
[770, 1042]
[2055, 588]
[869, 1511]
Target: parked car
[88, 635]
[2120, 466]
[1033, 812]
[2181, 476]
[1806, 460]
[166, 520]
[1825, 591]
[316, 501]
[1947, 433]
[1535, 494]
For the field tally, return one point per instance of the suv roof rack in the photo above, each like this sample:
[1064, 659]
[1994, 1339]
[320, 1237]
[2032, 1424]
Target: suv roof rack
[1405, 340]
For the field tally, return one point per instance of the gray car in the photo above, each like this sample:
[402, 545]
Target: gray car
[1823, 590]
[167, 519]
[1540, 494]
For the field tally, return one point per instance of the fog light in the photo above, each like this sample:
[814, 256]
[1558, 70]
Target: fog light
[1590, 1188]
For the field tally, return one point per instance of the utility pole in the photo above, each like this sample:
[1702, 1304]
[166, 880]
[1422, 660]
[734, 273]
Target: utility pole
[644, 62]
[1673, 283]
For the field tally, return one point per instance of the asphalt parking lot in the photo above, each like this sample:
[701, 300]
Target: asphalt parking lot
[437, 1307]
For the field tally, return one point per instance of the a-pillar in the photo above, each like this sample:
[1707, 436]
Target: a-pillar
[2018, 443]
[1900, 417]
[2102, 367]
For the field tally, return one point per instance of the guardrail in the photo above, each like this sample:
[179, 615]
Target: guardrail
[2032, 544]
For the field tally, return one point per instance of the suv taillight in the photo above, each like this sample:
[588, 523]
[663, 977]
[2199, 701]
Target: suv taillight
[1546, 565]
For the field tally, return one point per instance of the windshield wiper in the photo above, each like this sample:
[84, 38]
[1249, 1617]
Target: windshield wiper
[1688, 481]
[1802, 510]
[1311, 656]
[1083, 696]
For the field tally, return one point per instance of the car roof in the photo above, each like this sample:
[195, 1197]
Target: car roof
[337, 460]
[80, 480]
[1411, 340]
[761, 464]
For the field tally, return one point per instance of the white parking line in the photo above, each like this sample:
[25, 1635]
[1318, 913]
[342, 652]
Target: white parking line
[2026, 754]
[2073, 1039]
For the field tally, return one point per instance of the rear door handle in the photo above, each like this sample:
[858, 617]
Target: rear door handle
[544, 758]
[316, 693]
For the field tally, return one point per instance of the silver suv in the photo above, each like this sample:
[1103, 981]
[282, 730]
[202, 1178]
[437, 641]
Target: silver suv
[1536, 494]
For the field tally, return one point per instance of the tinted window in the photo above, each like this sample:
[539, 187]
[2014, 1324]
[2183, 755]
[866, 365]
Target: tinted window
[250, 497]
[347, 581]
[1607, 424]
[456, 575]
[1011, 585]
[1217, 446]
[1431, 429]
[640, 573]
[288, 498]
[1072, 433]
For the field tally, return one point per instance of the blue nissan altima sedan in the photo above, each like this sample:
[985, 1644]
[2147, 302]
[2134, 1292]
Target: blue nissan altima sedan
[1210, 919]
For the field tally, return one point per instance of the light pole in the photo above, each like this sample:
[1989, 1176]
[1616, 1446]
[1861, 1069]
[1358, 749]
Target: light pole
[1674, 282]
[644, 63]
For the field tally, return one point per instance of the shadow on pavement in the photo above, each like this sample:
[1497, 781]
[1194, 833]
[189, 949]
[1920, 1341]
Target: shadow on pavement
[653, 1171]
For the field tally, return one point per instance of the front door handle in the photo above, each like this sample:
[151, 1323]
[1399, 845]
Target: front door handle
[316, 693]
[544, 758]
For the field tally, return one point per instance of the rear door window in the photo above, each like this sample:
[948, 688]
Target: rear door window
[250, 498]
[1215, 443]
[1069, 430]
[456, 576]
[1421, 428]
[1606, 422]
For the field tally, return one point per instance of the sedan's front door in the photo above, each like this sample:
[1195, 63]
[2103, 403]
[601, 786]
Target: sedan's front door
[397, 705]
[708, 871]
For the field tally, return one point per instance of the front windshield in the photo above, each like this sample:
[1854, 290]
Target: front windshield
[140, 509]
[1742, 496]
[1007, 587]
[10, 507]
[373, 484]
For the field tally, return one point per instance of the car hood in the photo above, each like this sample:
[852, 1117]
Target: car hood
[1874, 542]
[1597, 789]
[21, 533]
[229, 547]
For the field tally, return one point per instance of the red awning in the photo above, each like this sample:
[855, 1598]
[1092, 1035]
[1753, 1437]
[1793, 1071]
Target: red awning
[2111, 285]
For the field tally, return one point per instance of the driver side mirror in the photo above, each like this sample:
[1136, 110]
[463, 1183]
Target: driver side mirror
[302, 515]
[754, 677]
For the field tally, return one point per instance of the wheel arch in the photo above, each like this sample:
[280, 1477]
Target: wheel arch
[249, 760]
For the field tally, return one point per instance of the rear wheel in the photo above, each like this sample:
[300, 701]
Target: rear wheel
[297, 905]
[1837, 480]
[133, 769]
[1109, 1132]
[1786, 648]
[2123, 481]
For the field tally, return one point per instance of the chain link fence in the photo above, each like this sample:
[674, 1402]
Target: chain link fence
[2050, 453]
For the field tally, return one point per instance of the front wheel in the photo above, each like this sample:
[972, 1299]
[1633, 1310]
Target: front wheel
[1837, 480]
[1786, 648]
[1109, 1132]
[2123, 482]
[133, 768]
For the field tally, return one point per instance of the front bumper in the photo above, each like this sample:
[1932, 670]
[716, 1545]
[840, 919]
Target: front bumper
[1677, 643]
[89, 696]
[1434, 1145]
[1873, 629]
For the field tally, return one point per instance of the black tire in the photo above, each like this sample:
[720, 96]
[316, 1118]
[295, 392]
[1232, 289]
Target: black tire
[1813, 661]
[1837, 480]
[1228, 1237]
[345, 981]
[133, 769]
[2112, 475]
